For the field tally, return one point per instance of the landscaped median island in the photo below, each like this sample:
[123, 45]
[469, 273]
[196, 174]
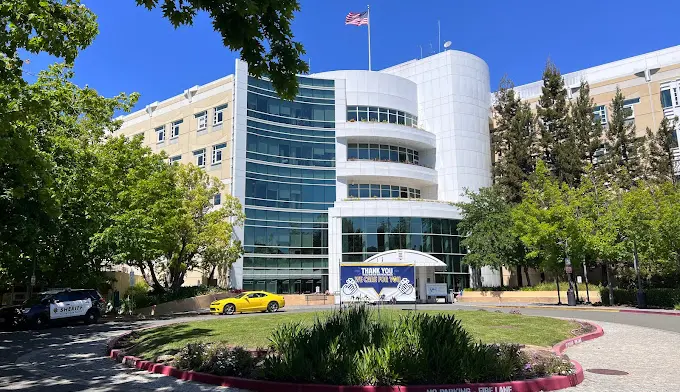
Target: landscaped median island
[360, 346]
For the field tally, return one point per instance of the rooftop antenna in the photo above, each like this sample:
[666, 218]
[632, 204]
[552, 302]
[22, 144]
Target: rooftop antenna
[421, 51]
[447, 45]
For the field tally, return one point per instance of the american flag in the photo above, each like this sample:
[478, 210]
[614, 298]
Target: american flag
[357, 19]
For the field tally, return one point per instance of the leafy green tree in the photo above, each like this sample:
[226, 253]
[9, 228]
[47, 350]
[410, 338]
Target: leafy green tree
[28, 198]
[665, 257]
[50, 207]
[165, 223]
[487, 227]
[513, 140]
[588, 131]
[599, 223]
[260, 29]
[558, 140]
[197, 226]
[625, 150]
[546, 221]
[660, 146]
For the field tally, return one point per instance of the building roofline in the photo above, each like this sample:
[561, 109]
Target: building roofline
[615, 69]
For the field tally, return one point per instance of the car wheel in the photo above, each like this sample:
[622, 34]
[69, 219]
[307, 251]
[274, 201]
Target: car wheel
[272, 307]
[41, 322]
[229, 309]
[91, 317]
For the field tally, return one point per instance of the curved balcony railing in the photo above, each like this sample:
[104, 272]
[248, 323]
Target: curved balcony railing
[390, 161]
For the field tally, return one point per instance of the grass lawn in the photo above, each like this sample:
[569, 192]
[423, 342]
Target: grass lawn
[254, 330]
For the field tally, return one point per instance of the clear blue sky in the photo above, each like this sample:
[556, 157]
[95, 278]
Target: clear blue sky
[138, 50]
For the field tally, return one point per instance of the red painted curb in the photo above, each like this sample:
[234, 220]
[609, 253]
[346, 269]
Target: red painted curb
[551, 383]
[565, 344]
[649, 312]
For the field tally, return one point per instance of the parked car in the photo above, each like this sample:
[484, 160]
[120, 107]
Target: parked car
[249, 301]
[63, 306]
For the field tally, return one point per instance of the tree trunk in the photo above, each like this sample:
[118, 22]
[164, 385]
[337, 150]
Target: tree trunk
[526, 273]
[157, 287]
[519, 276]
[212, 272]
[609, 284]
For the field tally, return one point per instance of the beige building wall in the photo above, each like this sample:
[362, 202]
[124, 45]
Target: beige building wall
[187, 108]
[637, 77]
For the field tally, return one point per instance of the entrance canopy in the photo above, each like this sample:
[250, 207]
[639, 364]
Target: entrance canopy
[419, 259]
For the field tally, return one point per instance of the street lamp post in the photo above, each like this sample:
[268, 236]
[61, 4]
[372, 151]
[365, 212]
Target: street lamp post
[641, 297]
[571, 297]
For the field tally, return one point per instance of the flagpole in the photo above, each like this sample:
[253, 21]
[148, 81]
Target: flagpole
[368, 10]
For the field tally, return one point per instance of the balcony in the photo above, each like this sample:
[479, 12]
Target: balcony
[395, 207]
[386, 133]
[367, 171]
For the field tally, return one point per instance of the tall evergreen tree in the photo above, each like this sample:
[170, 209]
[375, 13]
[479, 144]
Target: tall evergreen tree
[558, 141]
[513, 141]
[588, 131]
[625, 149]
[660, 147]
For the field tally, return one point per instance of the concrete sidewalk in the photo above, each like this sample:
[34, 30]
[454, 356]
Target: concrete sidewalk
[649, 356]
[581, 307]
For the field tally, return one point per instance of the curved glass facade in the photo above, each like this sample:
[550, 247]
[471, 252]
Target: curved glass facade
[363, 237]
[289, 186]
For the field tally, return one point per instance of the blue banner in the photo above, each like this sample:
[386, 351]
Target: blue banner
[377, 281]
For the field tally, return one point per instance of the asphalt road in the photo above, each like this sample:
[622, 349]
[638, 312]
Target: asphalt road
[72, 358]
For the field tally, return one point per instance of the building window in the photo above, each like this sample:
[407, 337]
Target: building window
[174, 131]
[200, 157]
[600, 113]
[218, 116]
[382, 152]
[217, 152]
[365, 191]
[666, 100]
[628, 108]
[378, 114]
[217, 199]
[202, 120]
[176, 158]
[160, 134]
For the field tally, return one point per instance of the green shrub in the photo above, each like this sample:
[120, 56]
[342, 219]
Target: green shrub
[142, 297]
[191, 356]
[656, 298]
[229, 361]
[552, 286]
[354, 347]
[677, 306]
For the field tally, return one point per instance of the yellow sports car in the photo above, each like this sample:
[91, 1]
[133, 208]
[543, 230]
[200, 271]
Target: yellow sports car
[249, 301]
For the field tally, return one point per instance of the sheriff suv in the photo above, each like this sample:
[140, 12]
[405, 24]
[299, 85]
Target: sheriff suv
[63, 306]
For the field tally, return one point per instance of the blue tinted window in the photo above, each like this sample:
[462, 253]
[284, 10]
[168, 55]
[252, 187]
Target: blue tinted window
[666, 100]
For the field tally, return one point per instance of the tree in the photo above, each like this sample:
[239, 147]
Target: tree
[660, 146]
[165, 223]
[588, 131]
[260, 29]
[558, 140]
[599, 223]
[50, 205]
[197, 227]
[546, 221]
[513, 139]
[31, 124]
[487, 227]
[624, 149]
